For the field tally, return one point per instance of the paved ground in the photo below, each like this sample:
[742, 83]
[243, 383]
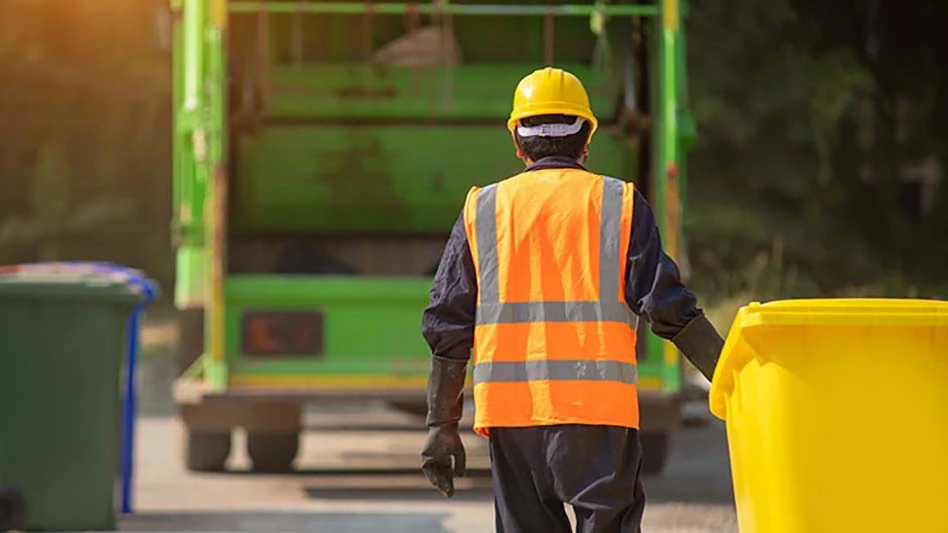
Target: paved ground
[368, 480]
[363, 481]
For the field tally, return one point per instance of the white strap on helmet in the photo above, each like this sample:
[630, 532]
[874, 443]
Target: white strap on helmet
[551, 130]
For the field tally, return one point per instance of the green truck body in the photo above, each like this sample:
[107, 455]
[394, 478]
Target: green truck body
[318, 172]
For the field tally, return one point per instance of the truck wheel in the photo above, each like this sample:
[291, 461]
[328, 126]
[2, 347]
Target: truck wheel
[273, 452]
[206, 451]
[12, 509]
[654, 452]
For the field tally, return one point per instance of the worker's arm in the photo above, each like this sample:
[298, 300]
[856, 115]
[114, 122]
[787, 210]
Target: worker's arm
[448, 326]
[655, 292]
[448, 321]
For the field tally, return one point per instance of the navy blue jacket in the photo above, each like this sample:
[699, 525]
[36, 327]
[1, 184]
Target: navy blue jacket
[653, 287]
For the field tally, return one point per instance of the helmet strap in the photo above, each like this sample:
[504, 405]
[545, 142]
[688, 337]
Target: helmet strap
[551, 130]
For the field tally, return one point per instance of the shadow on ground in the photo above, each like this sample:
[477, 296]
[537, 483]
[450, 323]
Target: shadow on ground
[668, 490]
[476, 488]
[698, 469]
[479, 473]
[270, 521]
[477, 492]
[697, 472]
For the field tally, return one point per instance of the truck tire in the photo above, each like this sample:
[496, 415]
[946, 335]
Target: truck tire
[206, 451]
[273, 453]
[12, 509]
[654, 452]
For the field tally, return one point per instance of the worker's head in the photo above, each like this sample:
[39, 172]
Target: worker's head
[551, 116]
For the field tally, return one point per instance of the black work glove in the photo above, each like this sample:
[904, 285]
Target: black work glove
[443, 445]
[700, 343]
[443, 455]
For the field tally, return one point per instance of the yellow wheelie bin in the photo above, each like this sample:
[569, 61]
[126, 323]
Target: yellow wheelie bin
[837, 415]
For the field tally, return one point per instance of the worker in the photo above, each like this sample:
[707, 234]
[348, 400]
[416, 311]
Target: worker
[543, 278]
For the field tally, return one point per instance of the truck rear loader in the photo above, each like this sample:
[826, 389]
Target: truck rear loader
[322, 152]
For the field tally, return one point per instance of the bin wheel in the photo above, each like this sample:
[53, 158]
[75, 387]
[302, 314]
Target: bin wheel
[273, 452]
[12, 509]
[654, 452]
[207, 451]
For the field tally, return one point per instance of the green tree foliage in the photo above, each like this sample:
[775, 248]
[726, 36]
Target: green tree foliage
[792, 109]
[52, 220]
[85, 143]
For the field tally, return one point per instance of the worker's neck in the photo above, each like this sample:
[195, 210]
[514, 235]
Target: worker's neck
[530, 162]
[553, 162]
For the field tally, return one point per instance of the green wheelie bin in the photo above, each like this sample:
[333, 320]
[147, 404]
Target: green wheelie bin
[63, 333]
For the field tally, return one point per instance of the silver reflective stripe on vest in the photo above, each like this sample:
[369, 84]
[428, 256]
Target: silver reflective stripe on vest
[550, 370]
[520, 312]
[486, 227]
[609, 308]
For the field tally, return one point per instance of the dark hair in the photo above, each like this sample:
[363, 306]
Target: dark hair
[538, 147]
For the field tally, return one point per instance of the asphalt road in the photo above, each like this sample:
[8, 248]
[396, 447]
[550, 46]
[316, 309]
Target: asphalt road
[367, 480]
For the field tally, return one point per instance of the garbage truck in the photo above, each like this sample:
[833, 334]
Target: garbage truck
[322, 152]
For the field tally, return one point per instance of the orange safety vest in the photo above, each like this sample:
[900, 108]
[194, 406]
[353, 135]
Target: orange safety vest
[554, 340]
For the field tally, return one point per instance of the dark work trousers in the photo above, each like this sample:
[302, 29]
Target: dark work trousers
[595, 469]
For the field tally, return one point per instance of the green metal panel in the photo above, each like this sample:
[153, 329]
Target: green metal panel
[667, 163]
[189, 149]
[191, 278]
[367, 330]
[189, 116]
[377, 179]
[469, 93]
[371, 324]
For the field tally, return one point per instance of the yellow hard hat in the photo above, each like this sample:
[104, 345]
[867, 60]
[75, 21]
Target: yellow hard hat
[551, 91]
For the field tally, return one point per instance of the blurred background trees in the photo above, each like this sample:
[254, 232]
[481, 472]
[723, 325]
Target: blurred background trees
[85, 152]
[819, 168]
[822, 135]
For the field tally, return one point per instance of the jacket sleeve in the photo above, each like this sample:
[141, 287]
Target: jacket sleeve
[654, 290]
[447, 323]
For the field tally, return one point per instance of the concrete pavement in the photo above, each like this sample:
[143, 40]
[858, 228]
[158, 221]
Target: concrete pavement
[367, 481]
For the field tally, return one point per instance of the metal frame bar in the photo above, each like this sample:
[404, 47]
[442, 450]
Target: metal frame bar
[393, 8]
[667, 165]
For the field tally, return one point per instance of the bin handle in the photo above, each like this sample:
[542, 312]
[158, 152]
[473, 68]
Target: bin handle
[130, 407]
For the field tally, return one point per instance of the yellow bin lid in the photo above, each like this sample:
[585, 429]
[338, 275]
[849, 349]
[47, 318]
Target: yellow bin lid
[853, 312]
